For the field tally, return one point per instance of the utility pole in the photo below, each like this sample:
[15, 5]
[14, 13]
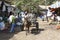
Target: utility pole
[46, 11]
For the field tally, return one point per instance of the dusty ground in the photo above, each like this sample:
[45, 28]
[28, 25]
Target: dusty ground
[46, 32]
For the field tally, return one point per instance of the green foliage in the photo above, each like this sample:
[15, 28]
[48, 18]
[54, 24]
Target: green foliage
[49, 2]
[30, 4]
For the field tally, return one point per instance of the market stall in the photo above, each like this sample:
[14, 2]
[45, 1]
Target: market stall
[56, 7]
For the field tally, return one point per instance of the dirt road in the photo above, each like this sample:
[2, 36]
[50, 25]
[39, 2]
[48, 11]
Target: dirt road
[46, 32]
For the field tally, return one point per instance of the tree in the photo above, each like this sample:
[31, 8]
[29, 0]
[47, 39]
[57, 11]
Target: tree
[30, 4]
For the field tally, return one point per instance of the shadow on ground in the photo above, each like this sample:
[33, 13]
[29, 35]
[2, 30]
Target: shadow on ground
[5, 35]
[35, 32]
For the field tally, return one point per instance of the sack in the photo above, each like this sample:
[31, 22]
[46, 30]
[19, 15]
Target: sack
[2, 26]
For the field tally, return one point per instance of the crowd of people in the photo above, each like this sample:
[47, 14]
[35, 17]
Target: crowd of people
[52, 15]
[24, 18]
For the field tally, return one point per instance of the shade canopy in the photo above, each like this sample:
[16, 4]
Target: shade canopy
[55, 5]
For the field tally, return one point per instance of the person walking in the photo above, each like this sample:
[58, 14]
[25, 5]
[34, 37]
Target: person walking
[49, 14]
[12, 21]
